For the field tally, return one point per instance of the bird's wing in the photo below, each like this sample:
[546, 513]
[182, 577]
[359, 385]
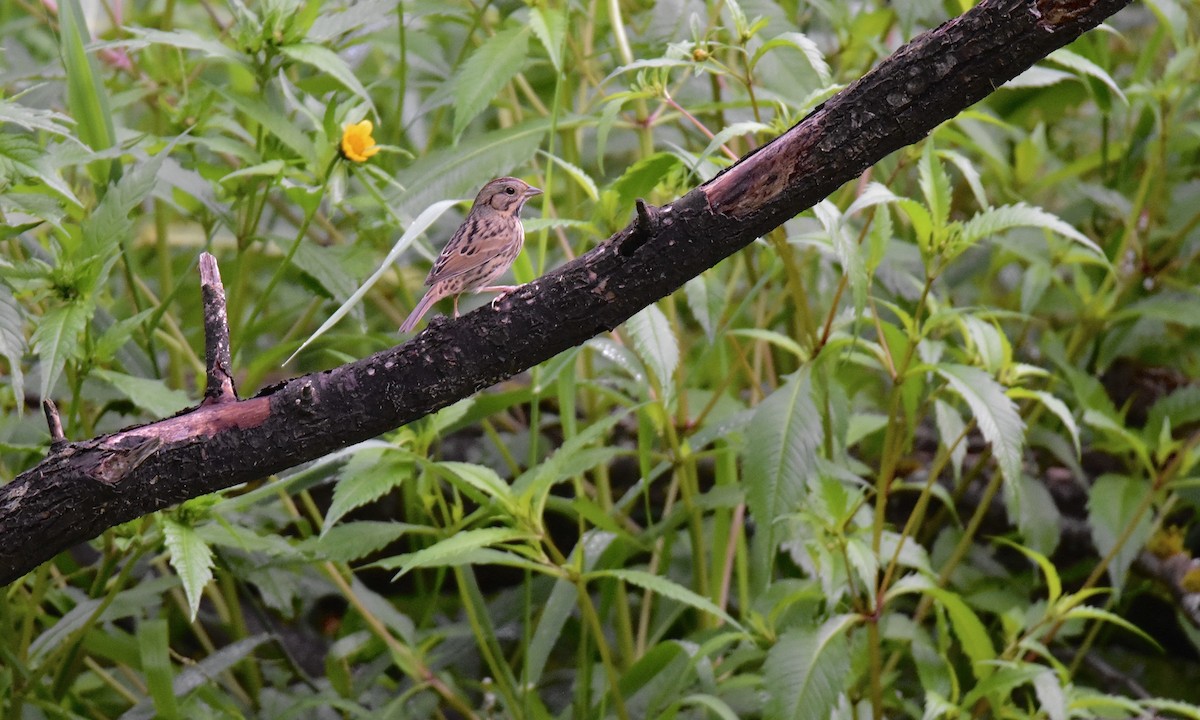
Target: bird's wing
[477, 240]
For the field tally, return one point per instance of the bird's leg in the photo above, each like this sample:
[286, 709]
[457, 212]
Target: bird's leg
[504, 290]
[456, 306]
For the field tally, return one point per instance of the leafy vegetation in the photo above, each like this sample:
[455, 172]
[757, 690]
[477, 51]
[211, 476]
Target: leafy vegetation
[901, 457]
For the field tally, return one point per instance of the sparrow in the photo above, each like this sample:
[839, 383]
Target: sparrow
[481, 250]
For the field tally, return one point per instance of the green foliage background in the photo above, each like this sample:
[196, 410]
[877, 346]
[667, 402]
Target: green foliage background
[908, 455]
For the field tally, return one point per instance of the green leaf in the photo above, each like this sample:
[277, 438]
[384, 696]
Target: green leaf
[274, 122]
[550, 26]
[1112, 502]
[329, 62]
[109, 225]
[669, 589]
[117, 334]
[640, 178]
[1086, 67]
[56, 340]
[1049, 572]
[576, 173]
[848, 252]
[86, 96]
[779, 340]
[149, 394]
[1089, 612]
[350, 541]
[154, 642]
[192, 559]
[995, 414]
[803, 43]
[950, 427]
[369, 475]
[22, 160]
[782, 446]
[654, 340]
[570, 459]
[463, 169]
[182, 40]
[12, 342]
[31, 118]
[482, 478]
[1056, 406]
[806, 669]
[730, 131]
[972, 636]
[935, 186]
[487, 72]
[457, 548]
[1006, 217]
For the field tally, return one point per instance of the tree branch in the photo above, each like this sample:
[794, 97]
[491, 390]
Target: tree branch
[82, 488]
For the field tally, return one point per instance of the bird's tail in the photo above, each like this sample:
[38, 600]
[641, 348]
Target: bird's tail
[419, 311]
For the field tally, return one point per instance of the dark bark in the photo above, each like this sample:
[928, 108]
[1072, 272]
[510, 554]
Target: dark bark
[82, 488]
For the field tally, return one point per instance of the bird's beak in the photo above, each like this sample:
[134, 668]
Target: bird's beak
[531, 191]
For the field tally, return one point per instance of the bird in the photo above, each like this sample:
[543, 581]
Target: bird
[481, 250]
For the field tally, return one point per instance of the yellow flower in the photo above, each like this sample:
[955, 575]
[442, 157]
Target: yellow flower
[357, 143]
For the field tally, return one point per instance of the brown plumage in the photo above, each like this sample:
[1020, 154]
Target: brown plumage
[482, 249]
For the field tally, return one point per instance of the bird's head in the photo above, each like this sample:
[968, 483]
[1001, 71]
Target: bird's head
[506, 195]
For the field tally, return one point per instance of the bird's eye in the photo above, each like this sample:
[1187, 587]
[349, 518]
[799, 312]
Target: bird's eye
[510, 190]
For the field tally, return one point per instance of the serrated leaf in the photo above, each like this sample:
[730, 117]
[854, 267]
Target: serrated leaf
[182, 40]
[779, 340]
[1038, 77]
[1089, 612]
[1112, 502]
[31, 118]
[950, 427]
[455, 549]
[874, 194]
[803, 43]
[1060, 410]
[12, 342]
[995, 414]
[728, 132]
[969, 173]
[972, 635]
[782, 444]
[1083, 66]
[669, 589]
[482, 478]
[489, 69]
[22, 160]
[806, 669]
[577, 174]
[1006, 217]
[569, 460]
[350, 541]
[192, 559]
[330, 63]
[654, 341]
[56, 340]
[369, 475]
[550, 26]
[273, 121]
[149, 394]
[109, 226]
